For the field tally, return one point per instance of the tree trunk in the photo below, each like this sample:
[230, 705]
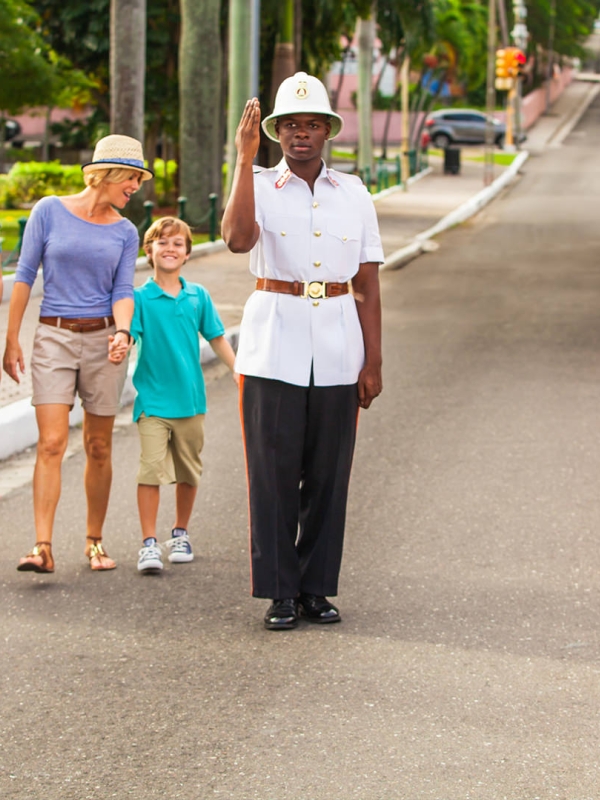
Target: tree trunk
[366, 41]
[284, 63]
[127, 77]
[200, 147]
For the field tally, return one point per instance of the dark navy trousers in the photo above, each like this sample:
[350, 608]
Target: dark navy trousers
[299, 442]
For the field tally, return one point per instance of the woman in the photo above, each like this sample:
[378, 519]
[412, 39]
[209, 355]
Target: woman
[88, 253]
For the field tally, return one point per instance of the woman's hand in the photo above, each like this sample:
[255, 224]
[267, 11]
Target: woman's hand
[13, 361]
[118, 347]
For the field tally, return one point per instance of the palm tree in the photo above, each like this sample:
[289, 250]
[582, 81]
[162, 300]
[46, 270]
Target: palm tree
[127, 77]
[200, 91]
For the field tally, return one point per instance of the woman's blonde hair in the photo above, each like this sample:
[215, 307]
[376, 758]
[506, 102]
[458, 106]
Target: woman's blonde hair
[94, 177]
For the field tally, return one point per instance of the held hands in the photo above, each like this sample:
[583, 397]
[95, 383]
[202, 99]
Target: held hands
[118, 347]
[13, 362]
[247, 136]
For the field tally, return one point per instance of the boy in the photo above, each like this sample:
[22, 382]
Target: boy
[171, 400]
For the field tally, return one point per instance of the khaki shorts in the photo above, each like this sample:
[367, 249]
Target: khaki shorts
[170, 450]
[65, 363]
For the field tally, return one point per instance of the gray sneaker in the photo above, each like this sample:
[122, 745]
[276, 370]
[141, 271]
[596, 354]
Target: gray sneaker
[181, 548]
[150, 558]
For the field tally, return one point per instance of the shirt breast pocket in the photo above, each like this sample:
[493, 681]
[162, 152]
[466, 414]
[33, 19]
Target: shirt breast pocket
[286, 242]
[343, 244]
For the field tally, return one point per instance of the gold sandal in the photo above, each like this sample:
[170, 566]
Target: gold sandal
[43, 551]
[96, 550]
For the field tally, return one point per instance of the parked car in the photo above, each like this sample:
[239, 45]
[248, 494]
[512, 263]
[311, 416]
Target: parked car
[462, 126]
[11, 129]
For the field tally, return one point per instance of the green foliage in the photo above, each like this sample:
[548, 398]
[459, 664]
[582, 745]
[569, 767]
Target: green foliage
[27, 76]
[79, 32]
[573, 23]
[28, 182]
[165, 181]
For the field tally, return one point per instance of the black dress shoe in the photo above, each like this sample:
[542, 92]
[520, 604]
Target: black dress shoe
[282, 615]
[318, 609]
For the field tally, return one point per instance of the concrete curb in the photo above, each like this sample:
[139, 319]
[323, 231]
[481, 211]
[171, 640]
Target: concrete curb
[421, 243]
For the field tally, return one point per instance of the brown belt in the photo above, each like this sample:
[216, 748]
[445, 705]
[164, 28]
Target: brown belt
[79, 324]
[313, 289]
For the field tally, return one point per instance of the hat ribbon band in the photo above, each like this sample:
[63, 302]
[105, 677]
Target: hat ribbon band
[129, 162]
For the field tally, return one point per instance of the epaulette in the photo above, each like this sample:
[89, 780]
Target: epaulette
[340, 177]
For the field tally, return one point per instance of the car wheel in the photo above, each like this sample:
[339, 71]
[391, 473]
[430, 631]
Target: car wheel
[442, 140]
[500, 142]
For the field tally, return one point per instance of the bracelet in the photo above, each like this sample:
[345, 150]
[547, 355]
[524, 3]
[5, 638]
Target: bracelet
[124, 330]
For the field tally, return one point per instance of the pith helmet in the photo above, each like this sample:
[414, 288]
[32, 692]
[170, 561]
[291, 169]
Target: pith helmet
[301, 94]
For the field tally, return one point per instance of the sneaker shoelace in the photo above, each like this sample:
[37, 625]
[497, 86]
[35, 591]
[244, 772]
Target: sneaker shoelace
[151, 551]
[178, 542]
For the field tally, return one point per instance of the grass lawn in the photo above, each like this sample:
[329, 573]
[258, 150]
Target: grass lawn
[500, 158]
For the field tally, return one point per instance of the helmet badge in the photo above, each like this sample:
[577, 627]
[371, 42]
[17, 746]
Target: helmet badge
[302, 90]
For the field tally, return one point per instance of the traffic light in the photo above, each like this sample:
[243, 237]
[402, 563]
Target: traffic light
[520, 62]
[515, 61]
[502, 64]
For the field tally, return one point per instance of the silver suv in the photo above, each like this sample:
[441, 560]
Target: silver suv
[461, 126]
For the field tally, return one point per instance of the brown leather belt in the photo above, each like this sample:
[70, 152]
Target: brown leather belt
[79, 324]
[312, 289]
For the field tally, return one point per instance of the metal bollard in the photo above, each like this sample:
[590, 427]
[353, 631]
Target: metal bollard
[181, 201]
[148, 206]
[212, 217]
[398, 170]
[22, 222]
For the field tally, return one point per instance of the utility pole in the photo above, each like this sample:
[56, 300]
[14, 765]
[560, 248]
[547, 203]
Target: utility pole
[490, 96]
[520, 36]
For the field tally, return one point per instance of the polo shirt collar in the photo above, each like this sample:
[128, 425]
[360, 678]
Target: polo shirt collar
[154, 290]
[284, 173]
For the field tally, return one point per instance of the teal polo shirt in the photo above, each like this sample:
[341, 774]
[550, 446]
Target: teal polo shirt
[168, 376]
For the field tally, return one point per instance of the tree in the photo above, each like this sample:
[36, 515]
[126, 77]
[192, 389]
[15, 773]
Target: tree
[32, 73]
[27, 75]
[127, 73]
[200, 91]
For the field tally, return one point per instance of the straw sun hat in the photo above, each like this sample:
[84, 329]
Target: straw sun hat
[116, 152]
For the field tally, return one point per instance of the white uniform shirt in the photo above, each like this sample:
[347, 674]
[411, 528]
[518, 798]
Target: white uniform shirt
[323, 236]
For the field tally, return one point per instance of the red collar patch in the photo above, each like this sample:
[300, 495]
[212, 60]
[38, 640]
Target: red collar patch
[283, 178]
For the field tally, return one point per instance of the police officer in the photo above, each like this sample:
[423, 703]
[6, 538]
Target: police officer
[309, 349]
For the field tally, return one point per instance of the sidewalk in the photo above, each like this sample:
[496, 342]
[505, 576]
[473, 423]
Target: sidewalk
[408, 220]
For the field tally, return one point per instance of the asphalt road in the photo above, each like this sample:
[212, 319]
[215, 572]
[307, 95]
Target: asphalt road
[467, 665]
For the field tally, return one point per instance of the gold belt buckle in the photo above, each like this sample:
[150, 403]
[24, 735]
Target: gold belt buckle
[314, 289]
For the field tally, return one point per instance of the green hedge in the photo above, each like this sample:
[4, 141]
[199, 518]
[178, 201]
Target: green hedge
[27, 182]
